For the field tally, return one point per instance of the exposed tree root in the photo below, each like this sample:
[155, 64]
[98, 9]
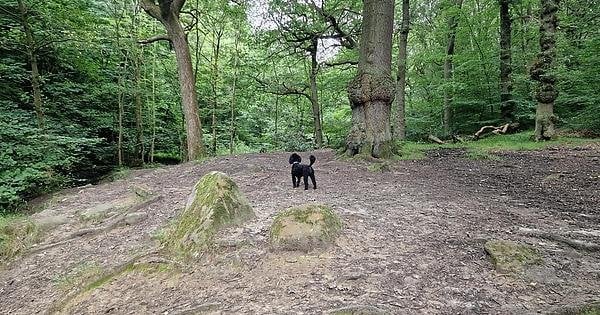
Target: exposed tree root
[58, 307]
[113, 223]
[574, 243]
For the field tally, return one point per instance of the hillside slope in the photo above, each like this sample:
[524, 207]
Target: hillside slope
[412, 242]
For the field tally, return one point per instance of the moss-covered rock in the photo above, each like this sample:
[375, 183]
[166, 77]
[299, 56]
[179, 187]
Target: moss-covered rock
[216, 202]
[305, 227]
[511, 257]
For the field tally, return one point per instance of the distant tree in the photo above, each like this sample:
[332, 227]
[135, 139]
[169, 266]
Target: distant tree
[167, 12]
[507, 104]
[543, 71]
[371, 92]
[400, 131]
[449, 68]
[302, 27]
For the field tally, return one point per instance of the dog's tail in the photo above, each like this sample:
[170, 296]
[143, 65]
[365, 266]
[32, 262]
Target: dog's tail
[312, 160]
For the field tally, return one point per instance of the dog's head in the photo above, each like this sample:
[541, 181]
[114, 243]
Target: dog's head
[295, 158]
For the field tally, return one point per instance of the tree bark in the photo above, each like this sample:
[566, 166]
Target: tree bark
[314, 98]
[507, 104]
[400, 131]
[167, 12]
[371, 92]
[448, 71]
[543, 72]
[30, 47]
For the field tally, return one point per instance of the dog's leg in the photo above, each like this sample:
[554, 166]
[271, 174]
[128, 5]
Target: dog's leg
[314, 181]
[305, 181]
[294, 181]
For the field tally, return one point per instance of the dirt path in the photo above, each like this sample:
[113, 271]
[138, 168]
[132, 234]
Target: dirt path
[412, 241]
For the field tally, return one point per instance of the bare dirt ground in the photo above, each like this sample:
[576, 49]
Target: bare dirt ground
[412, 241]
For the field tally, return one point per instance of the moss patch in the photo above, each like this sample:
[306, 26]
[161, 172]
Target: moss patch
[511, 257]
[17, 234]
[589, 309]
[305, 227]
[216, 202]
[379, 167]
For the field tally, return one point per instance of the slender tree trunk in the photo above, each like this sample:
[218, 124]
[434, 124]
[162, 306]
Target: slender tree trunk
[153, 113]
[153, 107]
[314, 98]
[543, 72]
[30, 47]
[371, 92]
[448, 71]
[233, 91]
[215, 87]
[507, 105]
[167, 12]
[139, 126]
[121, 69]
[400, 131]
[276, 119]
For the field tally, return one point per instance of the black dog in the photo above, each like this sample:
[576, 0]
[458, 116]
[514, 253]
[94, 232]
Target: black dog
[302, 170]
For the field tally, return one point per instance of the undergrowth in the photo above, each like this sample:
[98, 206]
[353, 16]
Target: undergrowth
[17, 233]
[484, 148]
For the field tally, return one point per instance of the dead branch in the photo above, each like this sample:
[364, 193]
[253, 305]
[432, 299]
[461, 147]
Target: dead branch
[497, 130]
[435, 139]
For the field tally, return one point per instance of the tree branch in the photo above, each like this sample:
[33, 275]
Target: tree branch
[154, 39]
[151, 8]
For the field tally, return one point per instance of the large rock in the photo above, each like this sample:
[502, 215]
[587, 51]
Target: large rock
[305, 227]
[511, 257]
[216, 202]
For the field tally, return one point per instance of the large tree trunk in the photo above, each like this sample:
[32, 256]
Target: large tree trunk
[314, 98]
[30, 47]
[542, 71]
[371, 92]
[167, 12]
[400, 131]
[448, 70]
[507, 104]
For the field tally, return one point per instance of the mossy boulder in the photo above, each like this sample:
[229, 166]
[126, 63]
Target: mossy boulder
[216, 202]
[511, 257]
[305, 227]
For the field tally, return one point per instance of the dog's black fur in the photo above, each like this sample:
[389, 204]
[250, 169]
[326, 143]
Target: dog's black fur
[302, 170]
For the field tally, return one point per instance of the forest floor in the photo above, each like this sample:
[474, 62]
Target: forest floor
[412, 242]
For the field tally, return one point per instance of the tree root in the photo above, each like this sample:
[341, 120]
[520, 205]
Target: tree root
[574, 243]
[113, 223]
[58, 307]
